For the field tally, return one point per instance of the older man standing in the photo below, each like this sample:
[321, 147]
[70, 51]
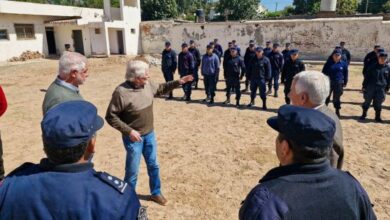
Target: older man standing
[131, 112]
[309, 89]
[72, 72]
[305, 186]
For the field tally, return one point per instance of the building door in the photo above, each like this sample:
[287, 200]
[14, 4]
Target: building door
[78, 45]
[119, 35]
[51, 42]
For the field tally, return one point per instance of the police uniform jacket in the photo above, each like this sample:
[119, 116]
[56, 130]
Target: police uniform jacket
[290, 69]
[196, 55]
[337, 72]
[277, 61]
[186, 64]
[235, 68]
[169, 60]
[377, 76]
[70, 191]
[260, 68]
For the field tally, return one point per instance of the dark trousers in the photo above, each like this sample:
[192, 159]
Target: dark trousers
[196, 75]
[1, 160]
[168, 76]
[233, 84]
[274, 79]
[287, 89]
[260, 84]
[376, 95]
[337, 89]
[210, 82]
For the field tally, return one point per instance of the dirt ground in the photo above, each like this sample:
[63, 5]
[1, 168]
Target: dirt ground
[210, 156]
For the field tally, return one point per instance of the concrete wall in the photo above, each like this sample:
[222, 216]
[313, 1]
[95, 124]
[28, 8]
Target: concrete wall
[63, 35]
[14, 47]
[315, 38]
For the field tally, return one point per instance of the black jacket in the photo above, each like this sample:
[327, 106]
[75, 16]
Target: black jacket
[307, 191]
[235, 68]
[260, 68]
[377, 76]
[169, 60]
[196, 55]
[290, 69]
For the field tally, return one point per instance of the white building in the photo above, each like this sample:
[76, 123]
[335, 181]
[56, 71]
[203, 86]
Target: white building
[48, 28]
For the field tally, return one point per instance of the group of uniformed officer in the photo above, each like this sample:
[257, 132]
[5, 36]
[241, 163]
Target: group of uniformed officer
[262, 67]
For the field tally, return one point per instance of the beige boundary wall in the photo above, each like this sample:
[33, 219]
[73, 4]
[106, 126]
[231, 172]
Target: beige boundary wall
[314, 37]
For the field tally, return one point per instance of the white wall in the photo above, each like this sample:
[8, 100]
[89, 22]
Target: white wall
[98, 46]
[63, 35]
[113, 41]
[13, 47]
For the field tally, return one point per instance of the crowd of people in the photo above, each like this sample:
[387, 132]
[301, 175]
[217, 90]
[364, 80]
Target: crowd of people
[265, 68]
[308, 184]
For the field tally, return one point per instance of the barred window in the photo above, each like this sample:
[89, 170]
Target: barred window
[24, 31]
[3, 34]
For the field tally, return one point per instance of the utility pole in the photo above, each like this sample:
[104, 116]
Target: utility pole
[276, 6]
[367, 2]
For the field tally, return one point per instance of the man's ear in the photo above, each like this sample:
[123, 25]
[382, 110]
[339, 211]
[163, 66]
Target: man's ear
[286, 152]
[91, 145]
[304, 98]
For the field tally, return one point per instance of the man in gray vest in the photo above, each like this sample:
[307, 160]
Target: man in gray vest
[309, 89]
[72, 72]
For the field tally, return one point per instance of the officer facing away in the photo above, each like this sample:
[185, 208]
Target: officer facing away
[168, 64]
[186, 67]
[235, 70]
[277, 63]
[260, 72]
[337, 71]
[371, 57]
[305, 186]
[292, 67]
[375, 85]
[64, 185]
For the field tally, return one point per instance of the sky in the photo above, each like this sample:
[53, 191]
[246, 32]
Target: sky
[270, 4]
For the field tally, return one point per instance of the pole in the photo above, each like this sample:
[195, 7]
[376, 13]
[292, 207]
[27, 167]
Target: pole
[367, 2]
[276, 6]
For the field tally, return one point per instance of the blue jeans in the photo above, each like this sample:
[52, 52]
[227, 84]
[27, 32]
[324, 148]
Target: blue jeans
[148, 148]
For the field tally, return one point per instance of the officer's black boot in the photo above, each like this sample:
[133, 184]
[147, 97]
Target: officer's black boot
[251, 103]
[378, 116]
[269, 90]
[287, 100]
[264, 104]
[327, 101]
[211, 100]
[338, 112]
[276, 94]
[170, 95]
[364, 115]
[227, 101]
[237, 103]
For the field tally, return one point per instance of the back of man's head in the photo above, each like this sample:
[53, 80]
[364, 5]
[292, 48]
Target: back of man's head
[315, 84]
[71, 61]
[68, 129]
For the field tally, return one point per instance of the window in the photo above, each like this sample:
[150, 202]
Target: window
[133, 30]
[97, 30]
[24, 31]
[3, 34]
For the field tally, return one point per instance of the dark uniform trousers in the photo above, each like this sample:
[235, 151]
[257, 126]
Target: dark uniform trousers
[187, 87]
[287, 89]
[376, 94]
[196, 75]
[258, 83]
[275, 79]
[168, 76]
[337, 89]
[233, 83]
[210, 82]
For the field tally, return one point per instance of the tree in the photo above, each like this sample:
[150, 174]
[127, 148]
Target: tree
[238, 9]
[373, 6]
[347, 7]
[158, 9]
[386, 7]
[306, 6]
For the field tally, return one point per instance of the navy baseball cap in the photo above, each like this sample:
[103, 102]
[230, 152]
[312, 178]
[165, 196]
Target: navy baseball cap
[183, 45]
[70, 123]
[192, 41]
[209, 46]
[167, 43]
[233, 49]
[337, 52]
[381, 50]
[306, 127]
[268, 42]
[382, 54]
[258, 49]
[288, 44]
[276, 45]
[377, 46]
[294, 51]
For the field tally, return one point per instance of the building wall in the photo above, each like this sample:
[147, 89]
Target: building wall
[63, 35]
[315, 38]
[113, 41]
[14, 47]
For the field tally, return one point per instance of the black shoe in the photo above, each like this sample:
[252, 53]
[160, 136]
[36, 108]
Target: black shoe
[338, 112]
[251, 104]
[364, 115]
[378, 116]
[211, 101]
[264, 106]
[227, 101]
[184, 97]
[276, 94]
[238, 103]
[188, 99]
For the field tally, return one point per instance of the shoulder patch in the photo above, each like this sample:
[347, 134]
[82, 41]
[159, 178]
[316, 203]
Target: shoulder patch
[114, 182]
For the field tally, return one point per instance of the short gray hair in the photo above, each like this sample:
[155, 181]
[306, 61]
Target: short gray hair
[315, 84]
[71, 61]
[135, 69]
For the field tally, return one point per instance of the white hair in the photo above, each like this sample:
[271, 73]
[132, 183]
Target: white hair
[71, 61]
[315, 84]
[135, 69]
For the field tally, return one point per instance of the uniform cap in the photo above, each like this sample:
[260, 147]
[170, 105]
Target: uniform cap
[258, 49]
[276, 45]
[294, 51]
[167, 43]
[337, 52]
[183, 45]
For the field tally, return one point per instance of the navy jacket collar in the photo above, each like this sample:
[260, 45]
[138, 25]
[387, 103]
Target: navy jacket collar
[67, 168]
[294, 169]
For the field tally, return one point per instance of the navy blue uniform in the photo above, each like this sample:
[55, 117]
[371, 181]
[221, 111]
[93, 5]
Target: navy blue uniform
[226, 57]
[338, 75]
[249, 55]
[260, 72]
[286, 55]
[186, 67]
[307, 191]
[290, 69]
[370, 59]
[277, 63]
[235, 68]
[197, 60]
[69, 191]
[267, 51]
[346, 55]
[376, 83]
[169, 65]
[218, 51]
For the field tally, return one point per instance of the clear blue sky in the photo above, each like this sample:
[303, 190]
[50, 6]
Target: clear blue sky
[270, 4]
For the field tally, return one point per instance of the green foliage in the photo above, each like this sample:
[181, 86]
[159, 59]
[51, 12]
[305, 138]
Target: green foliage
[238, 9]
[386, 7]
[309, 7]
[158, 9]
[374, 6]
[347, 7]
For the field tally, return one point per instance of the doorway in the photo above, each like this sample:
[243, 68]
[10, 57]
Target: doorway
[78, 45]
[51, 42]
